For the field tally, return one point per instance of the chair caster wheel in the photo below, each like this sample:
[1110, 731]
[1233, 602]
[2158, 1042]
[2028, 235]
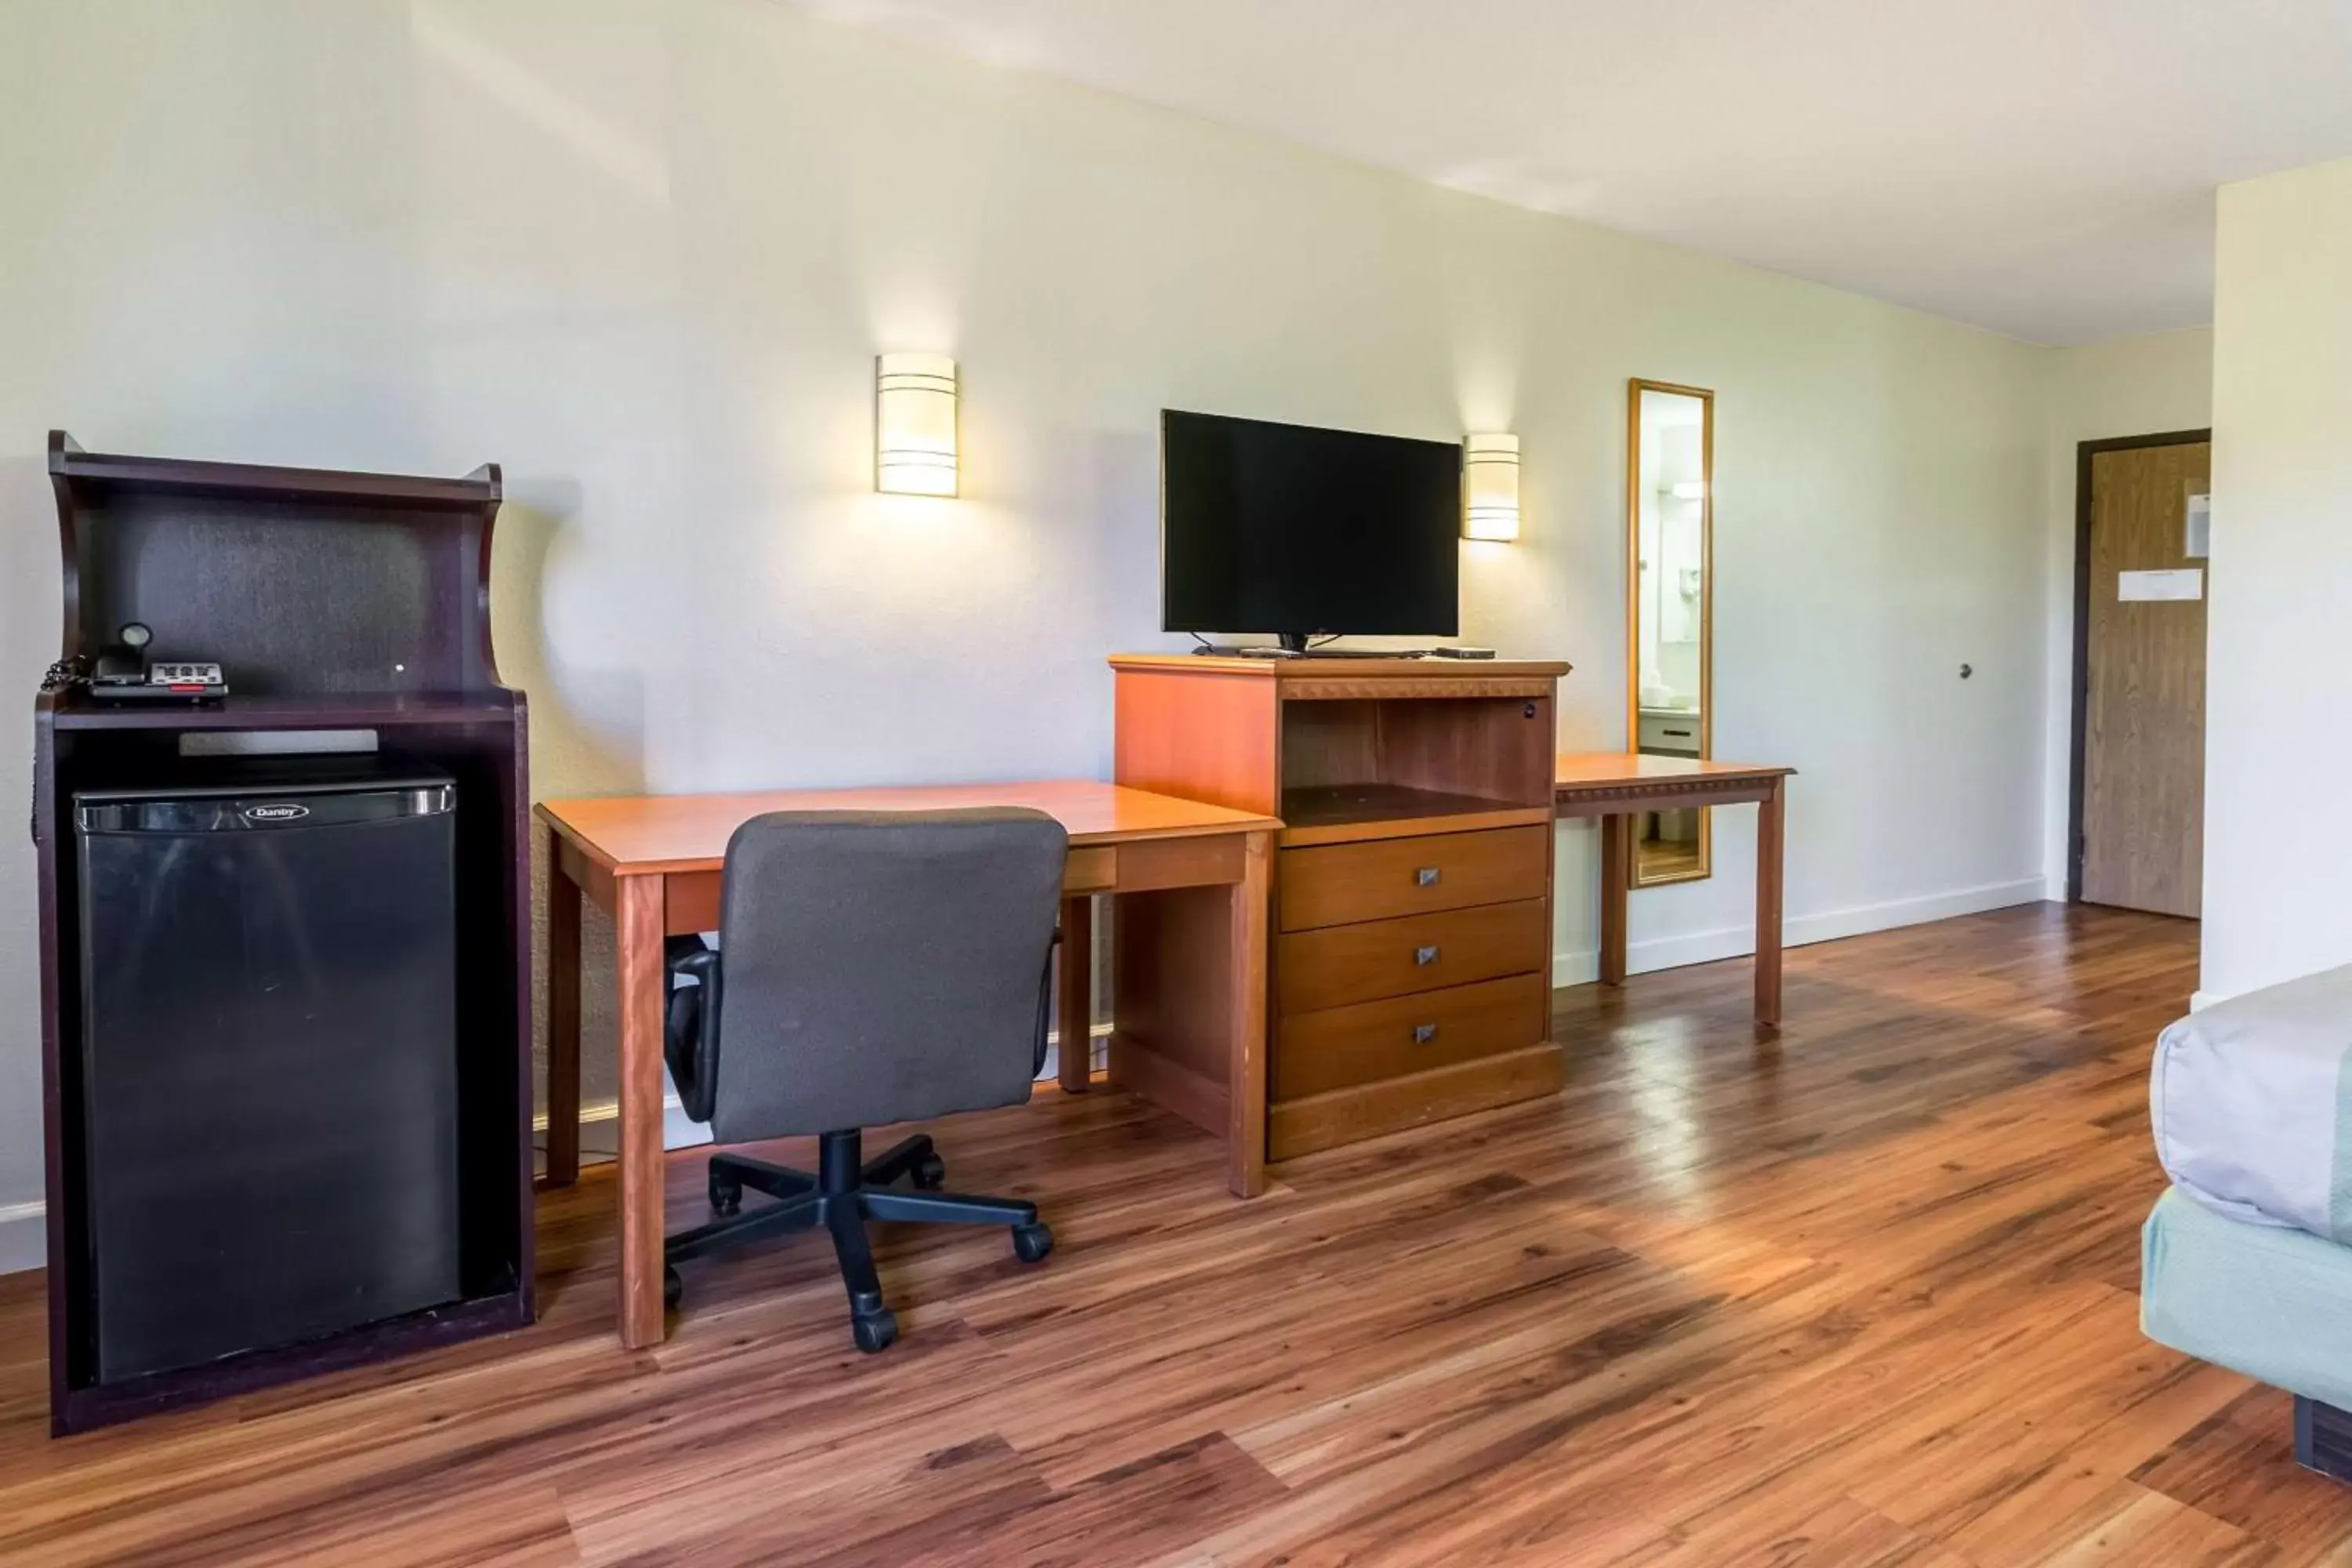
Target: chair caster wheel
[875, 1332]
[672, 1288]
[1032, 1242]
[930, 1173]
[726, 1194]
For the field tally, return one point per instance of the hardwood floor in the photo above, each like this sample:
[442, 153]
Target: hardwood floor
[1664, 857]
[1863, 1295]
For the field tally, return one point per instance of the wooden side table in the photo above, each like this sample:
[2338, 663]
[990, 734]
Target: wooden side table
[1614, 787]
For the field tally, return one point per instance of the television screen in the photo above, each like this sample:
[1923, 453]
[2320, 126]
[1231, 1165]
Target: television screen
[1292, 530]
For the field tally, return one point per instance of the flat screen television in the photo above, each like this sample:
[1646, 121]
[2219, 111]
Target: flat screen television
[1297, 531]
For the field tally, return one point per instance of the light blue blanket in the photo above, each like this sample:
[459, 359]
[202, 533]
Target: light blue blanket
[2271, 1302]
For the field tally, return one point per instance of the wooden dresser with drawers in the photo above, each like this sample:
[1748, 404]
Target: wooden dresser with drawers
[1411, 971]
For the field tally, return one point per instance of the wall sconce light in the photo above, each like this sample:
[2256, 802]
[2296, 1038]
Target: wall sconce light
[914, 424]
[1490, 487]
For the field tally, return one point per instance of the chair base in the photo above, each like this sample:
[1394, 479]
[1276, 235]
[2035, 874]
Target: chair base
[846, 1192]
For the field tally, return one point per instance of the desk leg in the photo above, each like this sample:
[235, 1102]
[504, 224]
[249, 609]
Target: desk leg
[1074, 1003]
[563, 1026]
[1245, 960]
[638, 926]
[1771, 815]
[1616, 873]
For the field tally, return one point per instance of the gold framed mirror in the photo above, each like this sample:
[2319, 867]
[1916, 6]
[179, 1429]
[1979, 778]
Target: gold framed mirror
[1670, 610]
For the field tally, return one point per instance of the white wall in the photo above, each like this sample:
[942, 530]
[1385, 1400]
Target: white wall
[2128, 386]
[2278, 850]
[643, 253]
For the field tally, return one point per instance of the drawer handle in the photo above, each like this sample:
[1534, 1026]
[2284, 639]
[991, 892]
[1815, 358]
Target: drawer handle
[1425, 956]
[1684, 734]
[1424, 1033]
[1426, 877]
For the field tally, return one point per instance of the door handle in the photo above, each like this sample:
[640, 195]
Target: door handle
[1425, 956]
[1424, 1033]
[1425, 877]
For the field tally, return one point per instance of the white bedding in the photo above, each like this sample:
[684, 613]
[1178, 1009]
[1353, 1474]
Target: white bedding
[2253, 1108]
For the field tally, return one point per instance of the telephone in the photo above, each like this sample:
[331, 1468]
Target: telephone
[122, 673]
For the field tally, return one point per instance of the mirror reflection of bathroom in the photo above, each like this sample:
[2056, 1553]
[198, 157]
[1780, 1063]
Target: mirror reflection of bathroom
[1670, 510]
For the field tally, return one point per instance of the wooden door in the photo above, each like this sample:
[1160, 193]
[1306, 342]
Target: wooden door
[2143, 825]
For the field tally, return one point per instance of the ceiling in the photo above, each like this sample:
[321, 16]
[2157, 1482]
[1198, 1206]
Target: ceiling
[2044, 168]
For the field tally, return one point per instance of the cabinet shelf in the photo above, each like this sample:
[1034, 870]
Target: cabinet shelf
[1339, 813]
[124, 474]
[306, 711]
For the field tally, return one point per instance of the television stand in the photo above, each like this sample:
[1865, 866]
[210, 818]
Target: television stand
[1410, 953]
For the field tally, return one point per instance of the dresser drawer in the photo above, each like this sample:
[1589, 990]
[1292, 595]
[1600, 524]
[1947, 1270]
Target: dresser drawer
[1334, 884]
[1335, 966]
[1339, 1048]
[1675, 735]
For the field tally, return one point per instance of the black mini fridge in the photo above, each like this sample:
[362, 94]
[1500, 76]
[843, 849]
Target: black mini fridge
[268, 1062]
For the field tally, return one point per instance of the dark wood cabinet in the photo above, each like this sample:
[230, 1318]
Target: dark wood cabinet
[334, 601]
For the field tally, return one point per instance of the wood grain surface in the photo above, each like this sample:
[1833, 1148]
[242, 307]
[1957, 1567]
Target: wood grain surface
[1865, 1294]
[1381, 878]
[2144, 700]
[1398, 675]
[1367, 1042]
[1334, 965]
[1577, 770]
[636, 835]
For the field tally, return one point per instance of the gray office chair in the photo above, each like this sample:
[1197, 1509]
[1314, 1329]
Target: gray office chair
[875, 967]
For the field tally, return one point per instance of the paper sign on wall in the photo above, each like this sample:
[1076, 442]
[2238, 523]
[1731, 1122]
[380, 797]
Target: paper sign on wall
[2187, 582]
[2199, 541]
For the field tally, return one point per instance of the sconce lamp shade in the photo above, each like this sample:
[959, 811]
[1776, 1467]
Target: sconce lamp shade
[914, 424]
[1490, 487]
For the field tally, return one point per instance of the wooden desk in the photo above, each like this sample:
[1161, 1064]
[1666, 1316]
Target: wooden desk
[1197, 873]
[1615, 786]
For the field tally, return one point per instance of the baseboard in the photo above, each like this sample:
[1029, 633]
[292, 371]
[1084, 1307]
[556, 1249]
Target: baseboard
[24, 1237]
[24, 1231]
[24, 1242]
[2200, 1000]
[599, 1120]
[1568, 968]
[1582, 967]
